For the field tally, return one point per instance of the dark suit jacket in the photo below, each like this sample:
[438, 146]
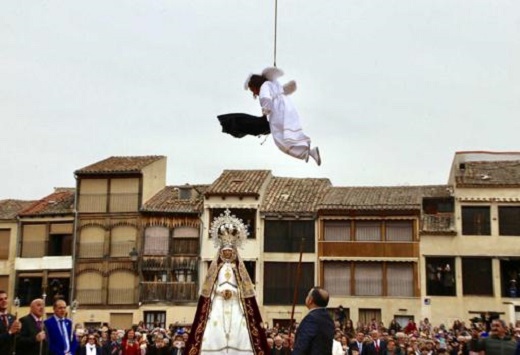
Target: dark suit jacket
[314, 334]
[6, 340]
[26, 343]
[55, 338]
[108, 349]
[371, 349]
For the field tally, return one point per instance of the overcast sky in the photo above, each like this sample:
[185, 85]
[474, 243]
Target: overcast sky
[388, 89]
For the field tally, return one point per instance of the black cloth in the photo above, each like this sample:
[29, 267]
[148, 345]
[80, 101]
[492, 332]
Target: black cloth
[112, 348]
[26, 343]
[6, 340]
[241, 124]
[314, 334]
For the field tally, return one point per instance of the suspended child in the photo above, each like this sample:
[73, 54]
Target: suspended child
[284, 121]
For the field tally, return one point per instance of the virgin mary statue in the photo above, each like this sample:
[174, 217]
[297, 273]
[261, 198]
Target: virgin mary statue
[227, 320]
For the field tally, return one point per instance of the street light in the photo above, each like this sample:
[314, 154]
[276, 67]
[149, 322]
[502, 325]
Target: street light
[133, 254]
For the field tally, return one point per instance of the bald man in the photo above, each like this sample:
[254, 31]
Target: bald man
[315, 333]
[32, 336]
[58, 330]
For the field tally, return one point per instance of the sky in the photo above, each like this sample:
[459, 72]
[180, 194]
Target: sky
[388, 89]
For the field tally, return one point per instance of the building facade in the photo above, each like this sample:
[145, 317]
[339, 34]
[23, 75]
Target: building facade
[129, 248]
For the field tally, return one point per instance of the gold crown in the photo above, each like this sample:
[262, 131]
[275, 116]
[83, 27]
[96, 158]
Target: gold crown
[228, 230]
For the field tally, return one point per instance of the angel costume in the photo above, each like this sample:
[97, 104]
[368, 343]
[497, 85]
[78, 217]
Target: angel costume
[284, 120]
[227, 320]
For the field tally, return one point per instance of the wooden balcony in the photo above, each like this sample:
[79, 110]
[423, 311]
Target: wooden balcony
[168, 292]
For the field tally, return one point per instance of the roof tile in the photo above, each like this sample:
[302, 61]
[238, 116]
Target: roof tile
[9, 209]
[239, 182]
[60, 202]
[117, 165]
[489, 173]
[168, 200]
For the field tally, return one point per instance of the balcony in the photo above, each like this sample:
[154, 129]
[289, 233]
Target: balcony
[185, 246]
[168, 291]
[438, 223]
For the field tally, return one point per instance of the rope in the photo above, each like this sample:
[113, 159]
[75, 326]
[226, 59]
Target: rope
[275, 28]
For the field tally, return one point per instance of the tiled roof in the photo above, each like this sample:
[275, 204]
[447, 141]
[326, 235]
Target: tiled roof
[168, 200]
[118, 165]
[9, 209]
[380, 198]
[60, 202]
[239, 182]
[293, 195]
[489, 173]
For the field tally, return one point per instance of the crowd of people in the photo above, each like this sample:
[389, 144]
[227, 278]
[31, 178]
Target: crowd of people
[31, 335]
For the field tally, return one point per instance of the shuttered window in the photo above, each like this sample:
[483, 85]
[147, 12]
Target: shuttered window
[368, 231]
[399, 231]
[121, 288]
[156, 241]
[369, 279]
[122, 240]
[337, 231]
[5, 235]
[91, 242]
[89, 289]
[337, 278]
[399, 277]
[33, 240]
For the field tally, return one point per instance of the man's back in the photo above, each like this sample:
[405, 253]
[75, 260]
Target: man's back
[315, 333]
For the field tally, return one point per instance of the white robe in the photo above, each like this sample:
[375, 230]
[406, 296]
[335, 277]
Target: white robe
[284, 120]
[226, 330]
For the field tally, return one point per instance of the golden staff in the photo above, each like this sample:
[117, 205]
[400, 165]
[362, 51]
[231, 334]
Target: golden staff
[44, 296]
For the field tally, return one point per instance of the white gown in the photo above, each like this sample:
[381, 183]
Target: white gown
[284, 120]
[226, 329]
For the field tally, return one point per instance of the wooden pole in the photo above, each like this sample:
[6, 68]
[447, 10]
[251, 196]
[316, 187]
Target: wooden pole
[295, 295]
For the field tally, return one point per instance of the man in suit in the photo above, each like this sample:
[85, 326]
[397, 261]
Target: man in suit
[113, 346]
[9, 326]
[377, 346]
[59, 331]
[316, 331]
[357, 346]
[32, 336]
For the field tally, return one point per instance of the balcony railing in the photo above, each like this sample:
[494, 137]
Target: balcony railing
[89, 296]
[122, 202]
[168, 291]
[155, 263]
[91, 250]
[438, 223]
[185, 246]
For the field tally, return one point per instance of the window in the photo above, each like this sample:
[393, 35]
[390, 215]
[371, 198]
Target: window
[337, 231]
[57, 287]
[477, 277]
[399, 277]
[510, 277]
[279, 281]
[337, 278]
[29, 288]
[509, 220]
[247, 215]
[91, 242]
[368, 231]
[120, 320]
[124, 195]
[121, 288]
[438, 205]
[33, 240]
[5, 235]
[368, 279]
[185, 241]
[89, 288]
[122, 240]
[156, 241]
[476, 220]
[154, 319]
[282, 236]
[399, 231]
[60, 244]
[440, 276]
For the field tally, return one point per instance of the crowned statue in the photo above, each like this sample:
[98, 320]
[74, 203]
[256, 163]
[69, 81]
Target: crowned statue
[227, 320]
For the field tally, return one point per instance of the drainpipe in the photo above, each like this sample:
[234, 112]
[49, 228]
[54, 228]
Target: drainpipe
[74, 242]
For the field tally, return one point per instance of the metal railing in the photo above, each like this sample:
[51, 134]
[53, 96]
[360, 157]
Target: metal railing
[438, 223]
